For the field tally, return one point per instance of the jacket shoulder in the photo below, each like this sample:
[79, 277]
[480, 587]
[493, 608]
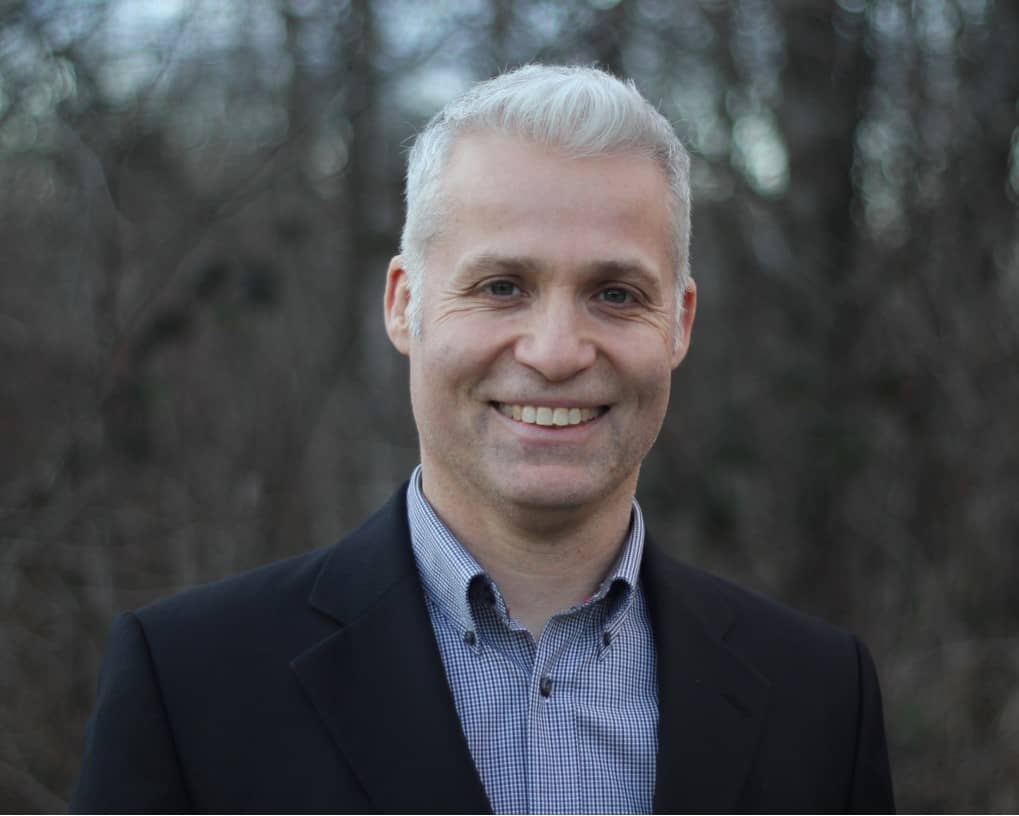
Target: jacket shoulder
[283, 605]
[257, 593]
[759, 610]
[769, 635]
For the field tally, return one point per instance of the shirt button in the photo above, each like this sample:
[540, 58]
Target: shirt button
[546, 687]
[470, 638]
[606, 638]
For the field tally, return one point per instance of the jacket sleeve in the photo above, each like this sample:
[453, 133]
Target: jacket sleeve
[130, 762]
[872, 780]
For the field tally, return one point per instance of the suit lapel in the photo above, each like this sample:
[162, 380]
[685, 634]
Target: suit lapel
[379, 683]
[711, 704]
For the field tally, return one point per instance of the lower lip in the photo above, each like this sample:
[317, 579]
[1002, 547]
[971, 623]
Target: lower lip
[551, 434]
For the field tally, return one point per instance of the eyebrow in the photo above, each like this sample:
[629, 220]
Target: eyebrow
[493, 262]
[622, 269]
[627, 270]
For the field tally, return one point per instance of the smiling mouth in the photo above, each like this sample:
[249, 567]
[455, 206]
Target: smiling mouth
[545, 416]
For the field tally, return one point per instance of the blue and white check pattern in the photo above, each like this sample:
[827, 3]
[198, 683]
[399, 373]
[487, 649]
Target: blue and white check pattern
[564, 725]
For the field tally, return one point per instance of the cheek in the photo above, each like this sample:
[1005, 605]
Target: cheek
[440, 376]
[652, 390]
[651, 376]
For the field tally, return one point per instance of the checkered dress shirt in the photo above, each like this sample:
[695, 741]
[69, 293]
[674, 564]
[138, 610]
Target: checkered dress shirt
[567, 724]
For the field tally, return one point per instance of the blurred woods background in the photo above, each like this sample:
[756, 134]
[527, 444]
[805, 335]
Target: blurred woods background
[197, 204]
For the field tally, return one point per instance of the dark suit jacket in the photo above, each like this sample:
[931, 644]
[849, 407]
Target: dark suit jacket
[315, 684]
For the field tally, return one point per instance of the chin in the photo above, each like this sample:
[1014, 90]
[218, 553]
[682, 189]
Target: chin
[554, 491]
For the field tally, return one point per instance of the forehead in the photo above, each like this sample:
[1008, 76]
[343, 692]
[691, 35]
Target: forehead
[479, 161]
[505, 195]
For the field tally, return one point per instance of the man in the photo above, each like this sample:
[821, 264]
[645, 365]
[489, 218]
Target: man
[503, 634]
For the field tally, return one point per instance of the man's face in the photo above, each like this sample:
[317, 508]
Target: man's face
[541, 375]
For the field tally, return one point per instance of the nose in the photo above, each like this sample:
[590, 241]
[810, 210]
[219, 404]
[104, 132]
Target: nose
[556, 342]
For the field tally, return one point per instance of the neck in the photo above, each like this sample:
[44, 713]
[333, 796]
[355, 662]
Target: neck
[543, 561]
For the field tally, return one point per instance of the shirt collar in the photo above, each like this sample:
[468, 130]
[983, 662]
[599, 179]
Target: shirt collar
[448, 570]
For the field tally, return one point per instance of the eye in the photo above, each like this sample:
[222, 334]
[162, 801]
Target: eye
[502, 288]
[616, 295]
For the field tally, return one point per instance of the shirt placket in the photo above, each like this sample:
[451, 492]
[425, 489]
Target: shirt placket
[552, 766]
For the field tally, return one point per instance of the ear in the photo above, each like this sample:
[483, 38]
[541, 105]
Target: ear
[685, 326]
[396, 301]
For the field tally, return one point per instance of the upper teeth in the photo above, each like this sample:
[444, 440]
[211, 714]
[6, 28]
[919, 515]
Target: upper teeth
[543, 415]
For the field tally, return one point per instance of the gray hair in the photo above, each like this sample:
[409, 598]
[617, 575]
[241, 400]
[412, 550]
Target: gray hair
[581, 111]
